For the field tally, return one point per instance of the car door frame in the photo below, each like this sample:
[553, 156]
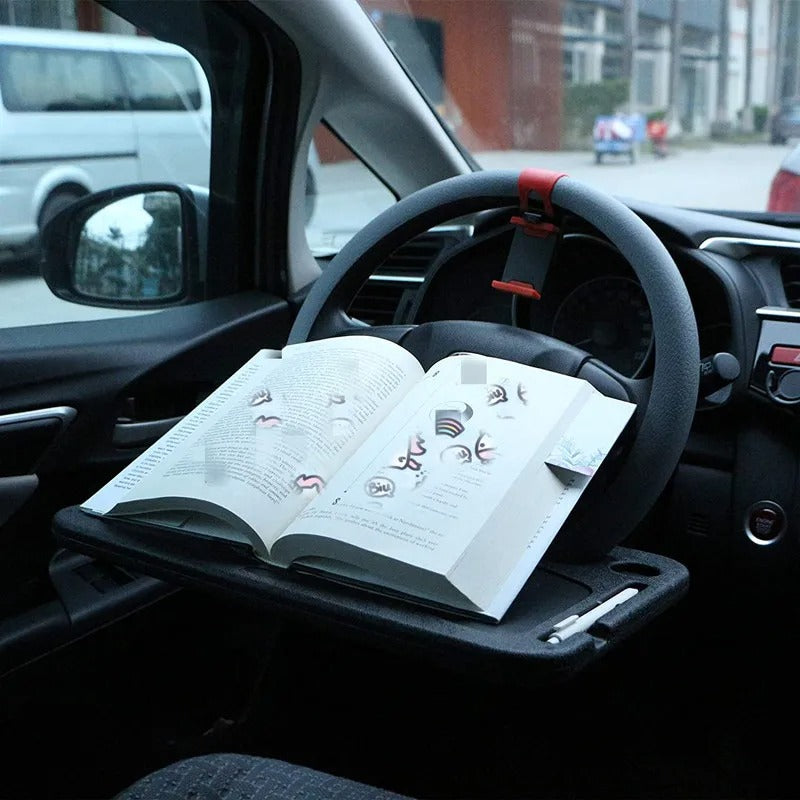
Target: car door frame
[107, 369]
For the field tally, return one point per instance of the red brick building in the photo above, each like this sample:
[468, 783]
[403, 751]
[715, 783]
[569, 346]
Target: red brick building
[500, 61]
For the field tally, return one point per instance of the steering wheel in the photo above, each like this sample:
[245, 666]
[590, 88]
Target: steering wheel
[665, 402]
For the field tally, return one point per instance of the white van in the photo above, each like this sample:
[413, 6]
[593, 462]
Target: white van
[80, 112]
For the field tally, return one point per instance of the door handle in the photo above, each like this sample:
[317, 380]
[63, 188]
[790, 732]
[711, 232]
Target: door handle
[141, 434]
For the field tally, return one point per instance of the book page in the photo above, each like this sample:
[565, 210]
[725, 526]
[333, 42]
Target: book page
[258, 367]
[276, 435]
[520, 530]
[442, 462]
[571, 464]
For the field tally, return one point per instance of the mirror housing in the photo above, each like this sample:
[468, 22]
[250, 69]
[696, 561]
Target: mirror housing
[140, 246]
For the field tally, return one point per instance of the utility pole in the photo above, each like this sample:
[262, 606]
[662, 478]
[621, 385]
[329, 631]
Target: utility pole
[793, 52]
[774, 57]
[676, 37]
[747, 111]
[722, 123]
[629, 47]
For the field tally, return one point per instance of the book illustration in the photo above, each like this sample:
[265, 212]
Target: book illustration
[450, 419]
[569, 455]
[335, 400]
[485, 449]
[456, 454]
[267, 422]
[305, 482]
[342, 427]
[495, 393]
[260, 397]
[379, 487]
[407, 460]
[522, 393]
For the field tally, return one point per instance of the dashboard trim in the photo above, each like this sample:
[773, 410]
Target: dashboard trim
[388, 278]
[779, 312]
[737, 247]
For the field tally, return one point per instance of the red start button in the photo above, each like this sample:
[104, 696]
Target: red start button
[785, 355]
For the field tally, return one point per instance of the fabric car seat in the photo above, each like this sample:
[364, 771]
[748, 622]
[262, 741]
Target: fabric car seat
[230, 776]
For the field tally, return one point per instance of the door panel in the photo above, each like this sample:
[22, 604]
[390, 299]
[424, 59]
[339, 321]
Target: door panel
[130, 375]
[127, 380]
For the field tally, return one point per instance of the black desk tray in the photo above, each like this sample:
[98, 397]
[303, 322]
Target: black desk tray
[516, 649]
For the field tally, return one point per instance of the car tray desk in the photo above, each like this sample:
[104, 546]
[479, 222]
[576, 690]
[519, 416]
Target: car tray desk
[515, 649]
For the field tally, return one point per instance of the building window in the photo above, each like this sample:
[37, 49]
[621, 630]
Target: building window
[580, 18]
[645, 81]
[574, 65]
[649, 34]
[612, 62]
[615, 26]
[696, 39]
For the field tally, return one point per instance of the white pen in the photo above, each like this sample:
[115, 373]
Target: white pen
[582, 622]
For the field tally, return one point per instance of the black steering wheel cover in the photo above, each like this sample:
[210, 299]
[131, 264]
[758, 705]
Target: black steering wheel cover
[664, 426]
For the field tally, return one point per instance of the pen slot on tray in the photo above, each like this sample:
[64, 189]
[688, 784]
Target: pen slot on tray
[589, 618]
[634, 568]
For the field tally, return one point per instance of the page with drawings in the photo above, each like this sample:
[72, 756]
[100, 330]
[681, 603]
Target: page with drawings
[266, 443]
[442, 462]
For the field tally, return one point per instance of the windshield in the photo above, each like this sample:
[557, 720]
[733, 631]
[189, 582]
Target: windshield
[683, 102]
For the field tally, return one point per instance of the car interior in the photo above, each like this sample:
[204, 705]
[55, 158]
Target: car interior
[125, 650]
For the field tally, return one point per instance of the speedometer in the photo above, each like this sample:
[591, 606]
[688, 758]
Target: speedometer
[609, 318]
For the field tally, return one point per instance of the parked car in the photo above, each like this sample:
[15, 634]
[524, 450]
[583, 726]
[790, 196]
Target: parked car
[124, 649]
[80, 112]
[784, 191]
[785, 124]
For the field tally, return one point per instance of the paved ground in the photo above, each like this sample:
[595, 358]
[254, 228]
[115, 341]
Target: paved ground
[719, 176]
[26, 300]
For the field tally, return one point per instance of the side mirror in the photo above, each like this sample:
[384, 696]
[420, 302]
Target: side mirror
[139, 247]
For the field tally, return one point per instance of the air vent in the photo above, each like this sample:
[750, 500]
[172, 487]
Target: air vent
[790, 275]
[698, 524]
[400, 275]
[377, 302]
[414, 257]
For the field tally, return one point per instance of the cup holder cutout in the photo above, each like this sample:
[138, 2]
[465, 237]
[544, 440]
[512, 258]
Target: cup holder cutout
[632, 568]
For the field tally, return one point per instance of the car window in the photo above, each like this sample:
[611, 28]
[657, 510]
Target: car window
[79, 88]
[160, 83]
[342, 194]
[47, 79]
[636, 97]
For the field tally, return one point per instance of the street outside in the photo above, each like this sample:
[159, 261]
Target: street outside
[715, 176]
[722, 176]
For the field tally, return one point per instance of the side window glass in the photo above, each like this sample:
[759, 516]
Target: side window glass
[342, 194]
[160, 83]
[45, 79]
[88, 102]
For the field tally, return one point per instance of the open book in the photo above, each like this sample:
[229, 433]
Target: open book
[345, 458]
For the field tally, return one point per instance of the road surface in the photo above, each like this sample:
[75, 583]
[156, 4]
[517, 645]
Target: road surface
[718, 176]
[715, 177]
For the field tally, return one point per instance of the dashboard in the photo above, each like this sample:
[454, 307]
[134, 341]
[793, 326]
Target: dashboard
[736, 493]
[591, 297]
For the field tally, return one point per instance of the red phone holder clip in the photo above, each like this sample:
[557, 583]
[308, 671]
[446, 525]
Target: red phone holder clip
[528, 259]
